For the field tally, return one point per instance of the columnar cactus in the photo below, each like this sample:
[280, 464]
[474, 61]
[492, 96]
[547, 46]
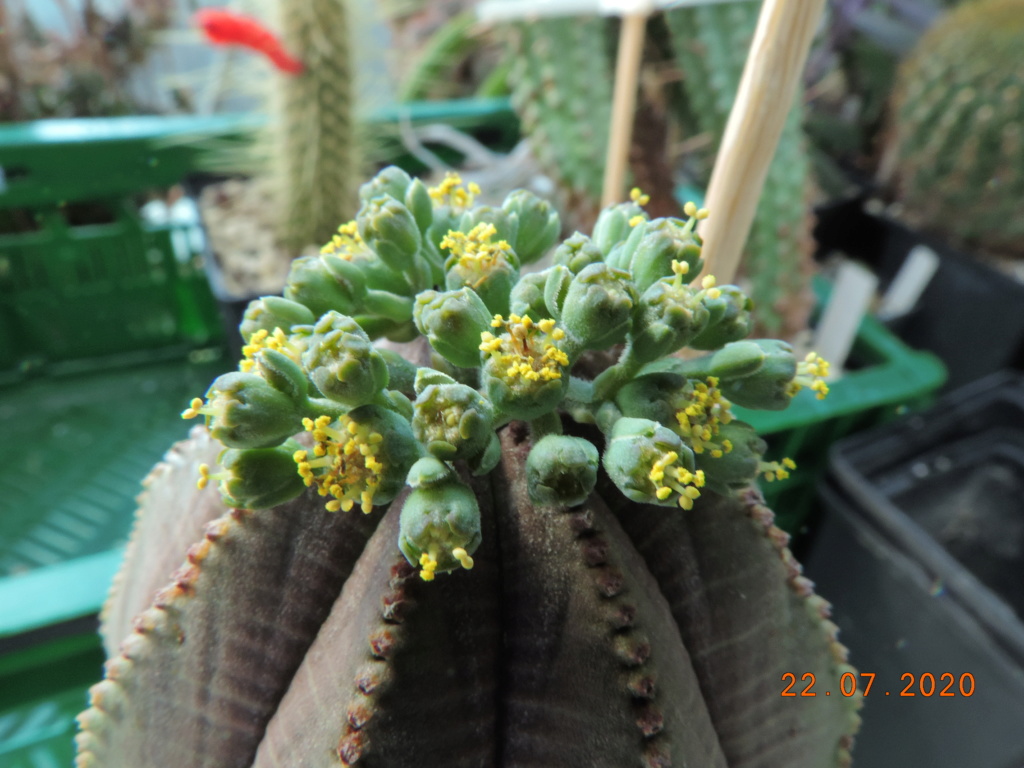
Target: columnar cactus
[710, 44]
[316, 154]
[561, 90]
[957, 137]
[535, 539]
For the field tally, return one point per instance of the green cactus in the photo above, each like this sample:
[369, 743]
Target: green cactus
[556, 562]
[957, 138]
[710, 43]
[316, 152]
[560, 79]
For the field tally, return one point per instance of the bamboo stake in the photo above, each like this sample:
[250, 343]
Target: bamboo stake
[774, 66]
[620, 134]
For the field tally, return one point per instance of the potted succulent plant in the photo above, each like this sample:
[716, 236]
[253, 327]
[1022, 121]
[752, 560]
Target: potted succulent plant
[950, 169]
[533, 537]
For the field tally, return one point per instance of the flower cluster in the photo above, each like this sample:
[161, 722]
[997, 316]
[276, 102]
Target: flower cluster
[430, 262]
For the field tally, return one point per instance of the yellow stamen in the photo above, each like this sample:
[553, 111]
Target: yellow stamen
[639, 197]
[463, 557]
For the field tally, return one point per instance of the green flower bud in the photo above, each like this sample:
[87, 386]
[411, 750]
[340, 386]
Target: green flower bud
[505, 224]
[599, 306]
[452, 321]
[312, 284]
[428, 472]
[613, 225]
[269, 312]
[527, 296]
[391, 181]
[650, 464]
[737, 467]
[668, 315]
[561, 470]
[440, 528]
[735, 360]
[489, 268]
[342, 362]
[452, 420]
[283, 374]
[390, 230]
[417, 200]
[729, 317]
[555, 287]
[360, 459]
[651, 397]
[621, 254]
[243, 410]
[779, 378]
[538, 224]
[666, 241]
[525, 372]
[256, 478]
[771, 387]
[577, 252]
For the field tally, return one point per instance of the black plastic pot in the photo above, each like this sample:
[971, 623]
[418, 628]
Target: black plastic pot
[921, 550]
[970, 315]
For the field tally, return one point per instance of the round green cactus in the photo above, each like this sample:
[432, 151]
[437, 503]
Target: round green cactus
[958, 128]
[528, 519]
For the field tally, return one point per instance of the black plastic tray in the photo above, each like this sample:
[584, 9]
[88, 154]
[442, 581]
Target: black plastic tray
[921, 551]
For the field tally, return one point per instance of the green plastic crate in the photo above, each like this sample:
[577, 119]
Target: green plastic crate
[84, 280]
[107, 328]
[886, 379]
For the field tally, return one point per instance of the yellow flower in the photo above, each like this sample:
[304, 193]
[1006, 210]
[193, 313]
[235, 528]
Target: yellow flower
[474, 254]
[453, 193]
[669, 479]
[345, 462]
[776, 470]
[700, 419]
[525, 350]
[811, 372]
[346, 243]
[263, 339]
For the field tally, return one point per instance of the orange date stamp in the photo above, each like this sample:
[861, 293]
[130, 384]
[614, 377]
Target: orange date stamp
[944, 685]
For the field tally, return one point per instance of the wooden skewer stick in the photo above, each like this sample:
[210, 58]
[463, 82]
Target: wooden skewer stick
[774, 67]
[627, 70]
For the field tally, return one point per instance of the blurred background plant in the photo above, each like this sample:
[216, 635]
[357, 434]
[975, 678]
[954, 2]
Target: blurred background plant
[954, 144]
[76, 60]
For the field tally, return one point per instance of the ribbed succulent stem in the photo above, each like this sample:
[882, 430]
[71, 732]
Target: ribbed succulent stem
[583, 636]
[316, 149]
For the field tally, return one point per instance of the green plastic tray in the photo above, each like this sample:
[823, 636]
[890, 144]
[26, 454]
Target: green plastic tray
[74, 452]
[41, 691]
[887, 378]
